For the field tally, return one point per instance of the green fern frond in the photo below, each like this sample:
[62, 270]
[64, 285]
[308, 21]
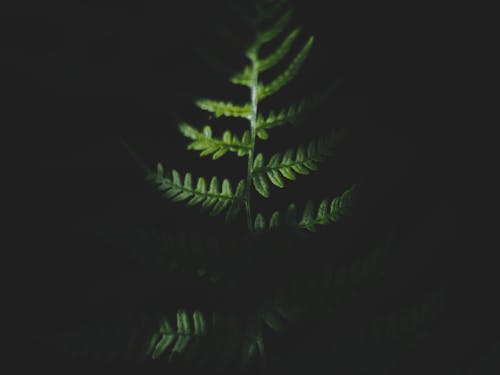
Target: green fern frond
[204, 142]
[286, 116]
[185, 330]
[301, 161]
[326, 213]
[293, 115]
[244, 77]
[273, 31]
[279, 53]
[228, 109]
[290, 72]
[216, 197]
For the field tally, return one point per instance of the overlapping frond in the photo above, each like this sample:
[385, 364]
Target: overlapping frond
[327, 212]
[213, 196]
[284, 166]
[204, 142]
[227, 109]
[223, 340]
[369, 346]
[213, 341]
[186, 329]
[290, 72]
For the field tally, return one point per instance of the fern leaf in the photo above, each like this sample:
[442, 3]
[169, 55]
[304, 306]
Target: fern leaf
[280, 52]
[301, 161]
[260, 223]
[307, 220]
[180, 337]
[327, 212]
[294, 114]
[228, 109]
[217, 199]
[244, 77]
[290, 115]
[259, 181]
[289, 73]
[204, 142]
[338, 207]
[272, 32]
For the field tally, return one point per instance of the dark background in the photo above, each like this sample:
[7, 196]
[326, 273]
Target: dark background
[79, 74]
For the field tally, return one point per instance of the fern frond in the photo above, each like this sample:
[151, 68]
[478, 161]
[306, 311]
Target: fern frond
[185, 330]
[290, 72]
[216, 197]
[273, 31]
[291, 115]
[275, 57]
[204, 142]
[327, 212]
[244, 77]
[301, 161]
[228, 109]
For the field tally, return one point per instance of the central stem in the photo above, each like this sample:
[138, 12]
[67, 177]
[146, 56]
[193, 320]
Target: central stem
[253, 131]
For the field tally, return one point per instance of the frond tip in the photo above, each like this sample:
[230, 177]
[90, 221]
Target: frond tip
[289, 73]
[204, 142]
[216, 197]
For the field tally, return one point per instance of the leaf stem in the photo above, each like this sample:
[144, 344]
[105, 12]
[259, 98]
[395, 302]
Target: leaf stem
[253, 129]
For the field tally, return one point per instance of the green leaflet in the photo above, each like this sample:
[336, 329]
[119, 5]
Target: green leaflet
[302, 161]
[260, 223]
[216, 199]
[219, 108]
[290, 72]
[217, 147]
[180, 336]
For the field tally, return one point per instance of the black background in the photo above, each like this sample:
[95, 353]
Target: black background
[79, 74]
